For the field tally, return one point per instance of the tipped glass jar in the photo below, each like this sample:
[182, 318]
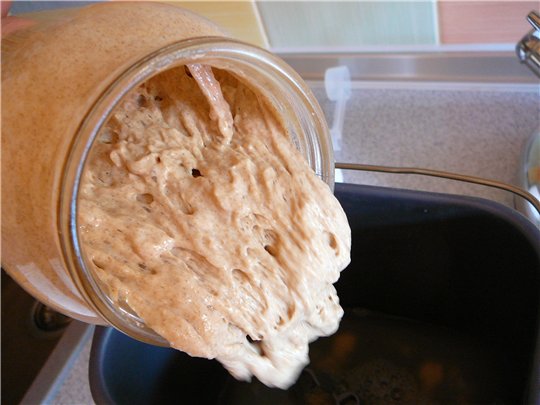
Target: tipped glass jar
[62, 76]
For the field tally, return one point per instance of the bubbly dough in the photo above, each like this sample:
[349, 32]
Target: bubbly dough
[197, 212]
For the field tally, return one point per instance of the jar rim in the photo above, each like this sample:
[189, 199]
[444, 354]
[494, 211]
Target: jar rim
[217, 52]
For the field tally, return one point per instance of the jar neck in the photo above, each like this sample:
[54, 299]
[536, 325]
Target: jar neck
[266, 74]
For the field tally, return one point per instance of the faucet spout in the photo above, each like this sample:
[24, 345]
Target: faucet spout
[528, 49]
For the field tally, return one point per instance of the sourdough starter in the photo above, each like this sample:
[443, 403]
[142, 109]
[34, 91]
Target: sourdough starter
[197, 212]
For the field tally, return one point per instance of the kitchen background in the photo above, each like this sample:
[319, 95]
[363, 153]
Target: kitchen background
[472, 111]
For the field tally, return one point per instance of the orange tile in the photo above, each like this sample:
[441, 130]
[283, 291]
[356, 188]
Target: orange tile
[465, 22]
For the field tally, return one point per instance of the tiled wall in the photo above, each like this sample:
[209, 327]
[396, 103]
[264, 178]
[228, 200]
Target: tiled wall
[358, 24]
[347, 24]
[484, 21]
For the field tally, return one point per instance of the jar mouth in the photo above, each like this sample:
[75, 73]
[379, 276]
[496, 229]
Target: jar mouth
[266, 73]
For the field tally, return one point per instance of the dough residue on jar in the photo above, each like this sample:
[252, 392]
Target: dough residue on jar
[197, 212]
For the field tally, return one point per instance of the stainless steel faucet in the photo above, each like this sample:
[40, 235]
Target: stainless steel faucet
[528, 49]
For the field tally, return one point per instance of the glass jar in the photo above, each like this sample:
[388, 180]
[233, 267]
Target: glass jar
[62, 76]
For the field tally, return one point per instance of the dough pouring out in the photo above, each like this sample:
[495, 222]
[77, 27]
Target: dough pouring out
[197, 211]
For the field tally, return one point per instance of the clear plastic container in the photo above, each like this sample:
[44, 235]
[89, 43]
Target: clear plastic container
[61, 78]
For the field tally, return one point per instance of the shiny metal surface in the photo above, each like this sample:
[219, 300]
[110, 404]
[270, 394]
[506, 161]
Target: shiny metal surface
[528, 49]
[440, 66]
[534, 20]
[529, 176]
[445, 175]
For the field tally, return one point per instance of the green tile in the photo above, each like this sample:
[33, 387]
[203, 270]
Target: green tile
[348, 23]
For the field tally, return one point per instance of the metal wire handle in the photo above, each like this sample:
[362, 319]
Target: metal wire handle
[445, 175]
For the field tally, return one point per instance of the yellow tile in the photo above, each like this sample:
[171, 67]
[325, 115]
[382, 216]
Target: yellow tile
[239, 18]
